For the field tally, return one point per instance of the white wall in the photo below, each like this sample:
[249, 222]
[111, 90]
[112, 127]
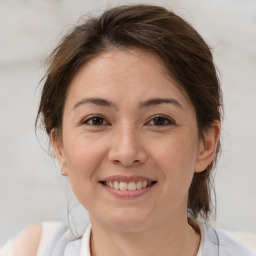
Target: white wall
[31, 188]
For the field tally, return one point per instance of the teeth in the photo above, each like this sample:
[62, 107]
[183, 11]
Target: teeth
[111, 184]
[139, 185]
[128, 185]
[116, 185]
[132, 185]
[123, 186]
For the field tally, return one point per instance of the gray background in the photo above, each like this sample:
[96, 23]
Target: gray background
[31, 188]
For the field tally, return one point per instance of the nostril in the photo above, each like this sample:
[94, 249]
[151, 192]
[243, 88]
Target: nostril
[136, 162]
[126, 162]
[127, 156]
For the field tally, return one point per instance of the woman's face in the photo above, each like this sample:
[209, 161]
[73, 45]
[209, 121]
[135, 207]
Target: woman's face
[126, 124]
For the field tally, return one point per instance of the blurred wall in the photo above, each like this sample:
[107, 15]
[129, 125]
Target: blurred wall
[31, 188]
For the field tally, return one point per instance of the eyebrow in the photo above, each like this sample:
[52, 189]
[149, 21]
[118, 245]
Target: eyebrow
[148, 103]
[158, 101]
[96, 101]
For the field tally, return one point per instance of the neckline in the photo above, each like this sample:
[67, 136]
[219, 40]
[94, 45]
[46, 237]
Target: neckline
[85, 248]
[202, 237]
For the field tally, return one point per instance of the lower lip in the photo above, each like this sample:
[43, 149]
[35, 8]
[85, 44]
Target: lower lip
[128, 194]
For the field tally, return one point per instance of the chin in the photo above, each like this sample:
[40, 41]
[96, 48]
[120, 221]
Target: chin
[129, 221]
[124, 220]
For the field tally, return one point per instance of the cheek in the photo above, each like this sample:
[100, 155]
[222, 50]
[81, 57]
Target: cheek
[81, 165]
[82, 152]
[176, 157]
[83, 156]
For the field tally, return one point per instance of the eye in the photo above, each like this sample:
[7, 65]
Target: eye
[95, 121]
[160, 121]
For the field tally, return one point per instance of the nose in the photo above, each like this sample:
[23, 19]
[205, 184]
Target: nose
[126, 148]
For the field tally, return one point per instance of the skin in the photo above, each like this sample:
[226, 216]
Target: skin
[27, 242]
[127, 139]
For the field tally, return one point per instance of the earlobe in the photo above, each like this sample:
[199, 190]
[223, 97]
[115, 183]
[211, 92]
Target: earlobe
[207, 147]
[58, 149]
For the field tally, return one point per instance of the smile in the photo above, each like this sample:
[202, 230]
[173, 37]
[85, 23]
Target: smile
[129, 186]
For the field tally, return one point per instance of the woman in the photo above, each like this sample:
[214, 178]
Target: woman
[132, 105]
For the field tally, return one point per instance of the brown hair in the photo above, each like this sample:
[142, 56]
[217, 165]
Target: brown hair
[184, 53]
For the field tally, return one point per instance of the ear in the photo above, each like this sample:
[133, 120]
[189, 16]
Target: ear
[58, 149]
[207, 147]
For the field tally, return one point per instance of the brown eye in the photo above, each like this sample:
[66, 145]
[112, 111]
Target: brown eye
[95, 120]
[160, 121]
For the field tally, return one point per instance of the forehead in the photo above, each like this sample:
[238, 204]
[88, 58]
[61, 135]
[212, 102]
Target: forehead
[122, 73]
[131, 62]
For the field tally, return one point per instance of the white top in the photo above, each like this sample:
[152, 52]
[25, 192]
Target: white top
[85, 249]
[60, 242]
[200, 250]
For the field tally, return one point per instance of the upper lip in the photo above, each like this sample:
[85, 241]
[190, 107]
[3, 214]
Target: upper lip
[122, 178]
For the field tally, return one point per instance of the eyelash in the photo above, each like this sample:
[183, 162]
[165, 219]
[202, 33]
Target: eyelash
[166, 121]
[87, 120]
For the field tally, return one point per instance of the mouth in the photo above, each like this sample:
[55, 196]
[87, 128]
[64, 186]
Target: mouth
[128, 186]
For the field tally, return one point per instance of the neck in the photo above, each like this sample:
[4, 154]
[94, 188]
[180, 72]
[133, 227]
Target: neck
[176, 238]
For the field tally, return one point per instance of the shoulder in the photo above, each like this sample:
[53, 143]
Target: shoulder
[217, 240]
[27, 242]
[32, 240]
